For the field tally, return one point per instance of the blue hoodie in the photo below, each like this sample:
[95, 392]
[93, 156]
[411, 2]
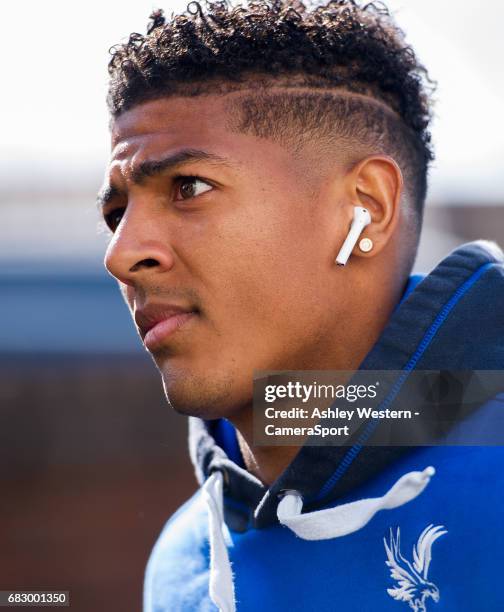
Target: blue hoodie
[361, 527]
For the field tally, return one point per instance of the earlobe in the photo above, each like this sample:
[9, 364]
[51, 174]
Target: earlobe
[366, 245]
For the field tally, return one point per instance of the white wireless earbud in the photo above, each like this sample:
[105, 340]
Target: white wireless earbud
[359, 222]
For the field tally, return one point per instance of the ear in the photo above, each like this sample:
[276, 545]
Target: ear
[376, 183]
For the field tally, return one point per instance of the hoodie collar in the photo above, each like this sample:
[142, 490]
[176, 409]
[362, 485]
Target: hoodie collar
[423, 332]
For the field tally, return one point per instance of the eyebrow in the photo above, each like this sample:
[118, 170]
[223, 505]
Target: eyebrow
[151, 168]
[106, 195]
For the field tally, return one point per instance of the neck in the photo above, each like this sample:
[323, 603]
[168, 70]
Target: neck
[344, 352]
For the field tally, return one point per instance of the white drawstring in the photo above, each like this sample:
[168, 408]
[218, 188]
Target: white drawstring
[319, 525]
[347, 518]
[221, 586]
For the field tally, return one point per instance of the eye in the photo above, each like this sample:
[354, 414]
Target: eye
[191, 186]
[113, 218]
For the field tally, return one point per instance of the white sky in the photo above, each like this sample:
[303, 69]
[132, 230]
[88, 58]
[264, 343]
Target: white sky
[53, 118]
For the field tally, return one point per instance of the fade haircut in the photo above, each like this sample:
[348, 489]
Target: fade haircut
[357, 81]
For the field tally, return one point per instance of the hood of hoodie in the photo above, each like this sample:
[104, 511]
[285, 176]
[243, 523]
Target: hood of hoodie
[447, 319]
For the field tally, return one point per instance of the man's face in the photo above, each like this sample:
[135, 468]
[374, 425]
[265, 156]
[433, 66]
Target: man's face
[224, 258]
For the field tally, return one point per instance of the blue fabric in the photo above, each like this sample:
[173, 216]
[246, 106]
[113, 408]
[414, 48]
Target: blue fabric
[225, 436]
[413, 281]
[275, 570]
[452, 318]
[410, 365]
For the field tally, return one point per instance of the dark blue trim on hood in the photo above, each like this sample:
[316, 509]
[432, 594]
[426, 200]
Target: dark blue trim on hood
[426, 340]
[413, 281]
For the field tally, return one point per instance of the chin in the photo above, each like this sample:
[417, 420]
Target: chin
[191, 394]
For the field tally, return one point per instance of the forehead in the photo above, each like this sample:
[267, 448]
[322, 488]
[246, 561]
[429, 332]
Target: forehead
[173, 120]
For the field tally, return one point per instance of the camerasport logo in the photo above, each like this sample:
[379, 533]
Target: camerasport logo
[413, 586]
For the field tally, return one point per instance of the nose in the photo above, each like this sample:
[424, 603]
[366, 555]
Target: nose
[140, 246]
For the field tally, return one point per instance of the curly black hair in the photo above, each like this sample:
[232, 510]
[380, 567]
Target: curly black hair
[365, 83]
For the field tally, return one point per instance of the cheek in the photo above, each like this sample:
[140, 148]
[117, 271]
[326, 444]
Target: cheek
[128, 293]
[269, 275]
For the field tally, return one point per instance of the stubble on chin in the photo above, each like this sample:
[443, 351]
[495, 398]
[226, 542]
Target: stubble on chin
[201, 396]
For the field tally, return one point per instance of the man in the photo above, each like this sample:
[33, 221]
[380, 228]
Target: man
[244, 140]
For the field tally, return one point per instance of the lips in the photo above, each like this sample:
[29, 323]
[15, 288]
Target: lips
[158, 321]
